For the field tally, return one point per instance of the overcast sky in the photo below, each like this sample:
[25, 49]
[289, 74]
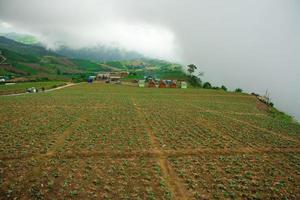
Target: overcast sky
[252, 44]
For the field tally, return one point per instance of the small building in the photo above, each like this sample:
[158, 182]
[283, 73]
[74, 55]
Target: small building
[173, 84]
[162, 84]
[151, 84]
[183, 85]
[102, 76]
[115, 78]
[91, 79]
[141, 83]
[124, 74]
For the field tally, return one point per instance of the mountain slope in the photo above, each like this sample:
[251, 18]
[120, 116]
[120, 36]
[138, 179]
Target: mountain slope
[21, 48]
[36, 61]
[22, 38]
[99, 53]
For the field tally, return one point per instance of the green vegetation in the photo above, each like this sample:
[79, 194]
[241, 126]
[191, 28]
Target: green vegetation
[21, 87]
[89, 141]
[33, 62]
[22, 38]
[238, 90]
[207, 85]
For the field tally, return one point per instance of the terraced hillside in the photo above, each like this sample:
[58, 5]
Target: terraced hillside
[97, 141]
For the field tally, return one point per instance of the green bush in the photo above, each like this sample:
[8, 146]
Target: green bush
[224, 88]
[207, 85]
[195, 81]
[239, 90]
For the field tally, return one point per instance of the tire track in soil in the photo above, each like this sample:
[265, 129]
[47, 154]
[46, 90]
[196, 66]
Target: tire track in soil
[158, 153]
[174, 184]
[61, 139]
[42, 158]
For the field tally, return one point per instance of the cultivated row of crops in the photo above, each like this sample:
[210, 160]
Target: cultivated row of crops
[98, 141]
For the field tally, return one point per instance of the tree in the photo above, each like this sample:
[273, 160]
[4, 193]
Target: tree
[239, 90]
[224, 88]
[191, 68]
[195, 81]
[58, 72]
[207, 85]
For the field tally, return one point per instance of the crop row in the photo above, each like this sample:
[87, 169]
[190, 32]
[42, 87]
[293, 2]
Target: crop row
[272, 176]
[90, 178]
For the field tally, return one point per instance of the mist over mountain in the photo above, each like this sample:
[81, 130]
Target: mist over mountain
[22, 48]
[22, 38]
[21, 43]
[99, 53]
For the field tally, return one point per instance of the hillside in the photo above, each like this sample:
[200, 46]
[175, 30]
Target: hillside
[96, 53]
[30, 61]
[99, 53]
[50, 66]
[22, 38]
[89, 141]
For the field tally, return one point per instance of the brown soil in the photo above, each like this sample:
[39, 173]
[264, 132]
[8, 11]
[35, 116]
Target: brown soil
[174, 184]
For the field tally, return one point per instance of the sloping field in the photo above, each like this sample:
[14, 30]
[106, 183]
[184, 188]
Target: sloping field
[119, 142]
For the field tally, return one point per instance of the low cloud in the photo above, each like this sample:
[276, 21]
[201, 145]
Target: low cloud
[93, 23]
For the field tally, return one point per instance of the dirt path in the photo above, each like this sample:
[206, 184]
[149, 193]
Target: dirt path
[49, 90]
[61, 139]
[174, 184]
[41, 159]
[155, 153]
[61, 87]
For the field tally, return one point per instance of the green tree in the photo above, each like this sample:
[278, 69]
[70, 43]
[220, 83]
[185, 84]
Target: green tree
[207, 85]
[239, 90]
[58, 72]
[191, 68]
[224, 88]
[195, 81]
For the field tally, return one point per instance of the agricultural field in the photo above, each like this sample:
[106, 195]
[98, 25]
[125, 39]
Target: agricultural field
[21, 87]
[101, 141]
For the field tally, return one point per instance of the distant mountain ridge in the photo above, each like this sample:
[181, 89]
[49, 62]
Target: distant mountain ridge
[22, 38]
[99, 53]
[96, 53]
[34, 61]
[24, 48]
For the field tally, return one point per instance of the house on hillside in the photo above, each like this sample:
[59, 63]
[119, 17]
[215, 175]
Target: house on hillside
[183, 85]
[102, 76]
[162, 84]
[141, 83]
[151, 84]
[91, 79]
[114, 78]
[173, 84]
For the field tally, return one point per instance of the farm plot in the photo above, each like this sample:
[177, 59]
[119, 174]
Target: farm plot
[264, 176]
[111, 128]
[282, 126]
[100, 141]
[25, 131]
[89, 178]
[21, 87]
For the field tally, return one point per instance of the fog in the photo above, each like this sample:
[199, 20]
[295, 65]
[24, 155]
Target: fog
[251, 44]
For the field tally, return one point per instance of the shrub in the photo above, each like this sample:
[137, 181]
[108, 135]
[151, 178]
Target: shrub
[216, 88]
[224, 88]
[207, 85]
[239, 90]
[195, 81]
